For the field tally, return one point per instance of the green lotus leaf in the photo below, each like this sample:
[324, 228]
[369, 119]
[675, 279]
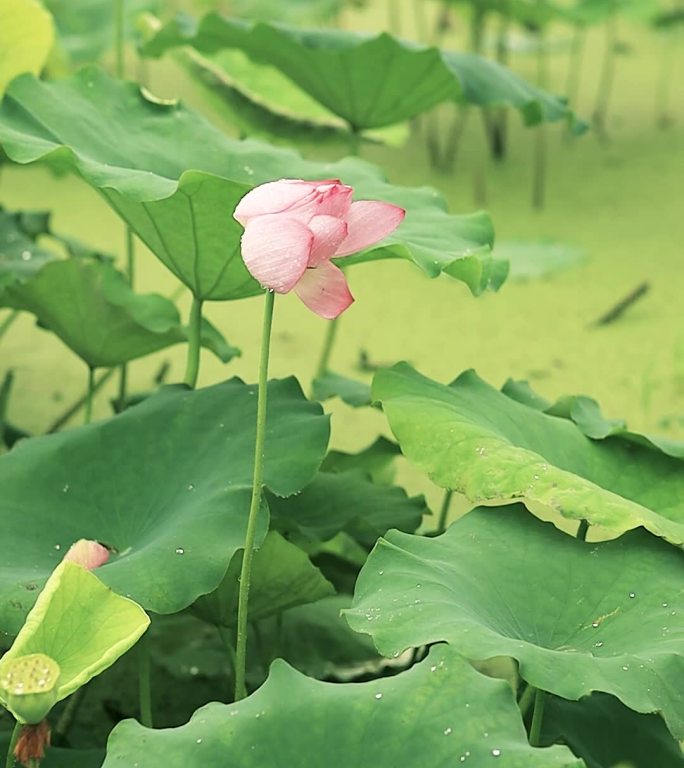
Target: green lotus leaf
[26, 35]
[368, 81]
[347, 502]
[252, 114]
[79, 624]
[90, 306]
[87, 30]
[389, 722]
[586, 413]
[605, 733]
[474, 439]
[316, 640]
[598, 617]
[166, 485]
[296, 11]
[376, 461]
[178, 185]
[352, 392]
[20, 255]
[282, 577]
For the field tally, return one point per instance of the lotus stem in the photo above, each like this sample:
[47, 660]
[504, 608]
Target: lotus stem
[13, 743]
[328, 344]
[420, 20]
[88, 413]
[63, 725]
[539, 178]
[257, 484]
[665, 81]
[73, 409]
[394, 17]
[526, 698]
[456, 132]
[537, 717]
[144, 685]
[582, 530]
[444, 512]
[607, 77]
[572, 84]
[194, 343]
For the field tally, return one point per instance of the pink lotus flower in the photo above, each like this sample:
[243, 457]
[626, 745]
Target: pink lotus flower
[87, 553]
[293, 228]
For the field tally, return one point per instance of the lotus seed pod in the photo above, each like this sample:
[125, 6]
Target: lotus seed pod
[28, 685]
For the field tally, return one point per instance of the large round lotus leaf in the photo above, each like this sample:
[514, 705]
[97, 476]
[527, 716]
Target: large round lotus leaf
[369, 81]
[474, 439]
[166, 485]
[435, 714]
[176, 179]
[578, 617]
[26, 36]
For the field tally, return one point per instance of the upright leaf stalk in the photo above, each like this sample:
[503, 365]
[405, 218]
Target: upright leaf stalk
[194, 342]
[257, 485]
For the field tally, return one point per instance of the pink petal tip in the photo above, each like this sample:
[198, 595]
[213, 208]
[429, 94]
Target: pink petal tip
[87, 553]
